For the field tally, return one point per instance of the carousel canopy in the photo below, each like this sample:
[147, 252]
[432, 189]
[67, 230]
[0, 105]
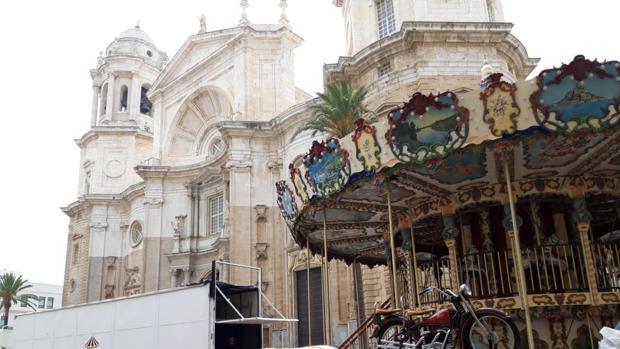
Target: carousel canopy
[438, 154]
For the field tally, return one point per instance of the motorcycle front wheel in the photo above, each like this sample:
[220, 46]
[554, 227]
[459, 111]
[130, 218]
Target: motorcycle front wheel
[503, 334]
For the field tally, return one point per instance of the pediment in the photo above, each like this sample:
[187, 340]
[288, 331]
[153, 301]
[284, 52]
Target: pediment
[197, 50]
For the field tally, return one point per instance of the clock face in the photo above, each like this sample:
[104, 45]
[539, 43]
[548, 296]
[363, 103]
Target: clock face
[114, 168]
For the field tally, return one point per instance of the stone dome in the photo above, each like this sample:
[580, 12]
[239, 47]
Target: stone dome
[136, 43]
[136, 33]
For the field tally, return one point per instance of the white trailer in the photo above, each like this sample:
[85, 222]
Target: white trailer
[201, 316]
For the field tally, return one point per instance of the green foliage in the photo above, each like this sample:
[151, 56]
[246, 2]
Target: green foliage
[339, 107]
[10, 286]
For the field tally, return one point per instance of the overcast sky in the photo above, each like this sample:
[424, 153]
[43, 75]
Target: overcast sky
[47, 49]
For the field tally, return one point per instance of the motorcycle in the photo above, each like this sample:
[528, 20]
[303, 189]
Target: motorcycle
[472, 328]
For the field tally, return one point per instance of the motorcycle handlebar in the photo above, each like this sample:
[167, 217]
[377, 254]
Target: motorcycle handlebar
[445, 292]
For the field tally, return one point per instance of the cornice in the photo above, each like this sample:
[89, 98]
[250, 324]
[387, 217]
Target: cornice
[412, 33]
[94, 133]
[184, 171]
[132, 192]
[74, 207]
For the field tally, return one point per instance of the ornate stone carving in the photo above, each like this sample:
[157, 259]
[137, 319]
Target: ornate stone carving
[300, 260]
[261, 250]
[178, 224]
[109, 291]
[238, 164]
[261, 212]
[133, 283]
[154, 202]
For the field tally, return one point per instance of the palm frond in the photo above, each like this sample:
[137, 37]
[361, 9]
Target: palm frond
[339, 107]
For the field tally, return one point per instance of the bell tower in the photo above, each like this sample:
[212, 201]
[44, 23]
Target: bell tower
[121, 126]
[124, 74]
[367, 21]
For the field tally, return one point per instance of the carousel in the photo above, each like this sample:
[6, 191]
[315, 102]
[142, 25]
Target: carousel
[513, 189]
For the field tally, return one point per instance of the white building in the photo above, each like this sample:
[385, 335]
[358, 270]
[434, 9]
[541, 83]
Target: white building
[179, 164]
[49, 297]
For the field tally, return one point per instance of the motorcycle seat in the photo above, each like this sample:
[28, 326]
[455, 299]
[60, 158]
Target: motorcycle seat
[386, 311]
[419, 312]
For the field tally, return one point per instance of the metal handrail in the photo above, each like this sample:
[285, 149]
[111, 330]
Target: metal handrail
[362, 328]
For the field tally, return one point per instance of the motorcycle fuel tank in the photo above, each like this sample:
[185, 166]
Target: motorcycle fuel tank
[440, 318]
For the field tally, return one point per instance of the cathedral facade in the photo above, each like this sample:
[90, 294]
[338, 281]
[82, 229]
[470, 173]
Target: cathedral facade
[179, 164]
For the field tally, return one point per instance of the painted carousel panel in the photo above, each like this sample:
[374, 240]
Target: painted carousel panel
[581, 95]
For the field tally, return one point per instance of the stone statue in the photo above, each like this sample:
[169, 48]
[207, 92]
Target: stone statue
[177, 224]
[203, 23]
[100, 58]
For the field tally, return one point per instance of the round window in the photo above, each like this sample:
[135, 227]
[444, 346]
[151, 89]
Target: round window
[136, 234]
[149, 53]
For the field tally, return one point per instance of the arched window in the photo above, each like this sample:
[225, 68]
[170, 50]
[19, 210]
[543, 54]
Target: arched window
[145, 105]
[103, 101]
[385, 18]
[123, 104]
[136, 235]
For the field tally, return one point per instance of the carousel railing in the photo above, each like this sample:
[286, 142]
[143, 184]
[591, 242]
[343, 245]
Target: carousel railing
[607, 265]
[434, 273]
[489, 274]
[558, 268]
[555, 269]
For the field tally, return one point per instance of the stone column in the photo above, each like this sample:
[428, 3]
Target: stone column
[134, 97]
[173, 278]
[95, 103]
[109, 109]
[158, 135]
[449, 234]
[187, 273]
[581, 218]
[153, 228]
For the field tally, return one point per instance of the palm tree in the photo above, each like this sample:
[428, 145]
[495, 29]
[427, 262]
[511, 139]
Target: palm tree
[339, 107]
[10, 286]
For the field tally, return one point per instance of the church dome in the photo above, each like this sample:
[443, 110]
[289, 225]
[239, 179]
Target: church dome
[136, 43]
[136, 33]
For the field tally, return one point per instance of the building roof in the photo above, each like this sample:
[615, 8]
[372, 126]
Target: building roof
[136, 33]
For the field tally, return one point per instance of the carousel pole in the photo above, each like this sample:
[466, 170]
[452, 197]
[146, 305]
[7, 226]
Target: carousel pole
[393, 249]
[414, 270]
[328, 336]
[308, 295]
[517, 252]
[414, 261]
[323, 295]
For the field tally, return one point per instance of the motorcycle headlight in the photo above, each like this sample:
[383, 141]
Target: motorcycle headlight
[465, 291]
